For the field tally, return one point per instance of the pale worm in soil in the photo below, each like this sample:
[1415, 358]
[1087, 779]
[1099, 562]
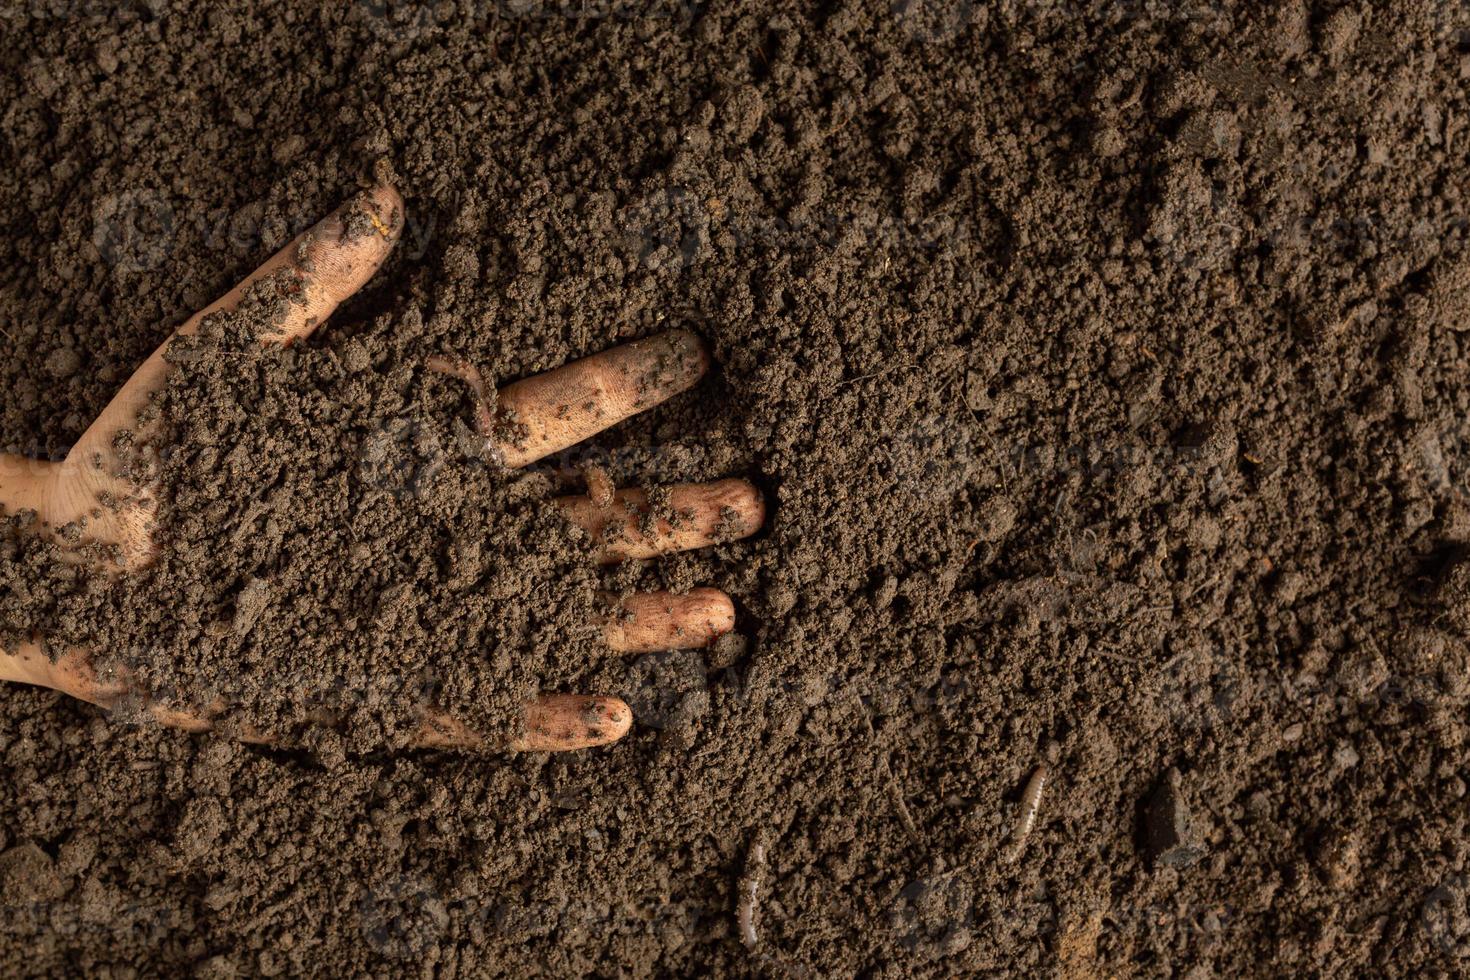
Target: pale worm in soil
[1026, 819]
[600, 488]
[745, 913]
[471, 376]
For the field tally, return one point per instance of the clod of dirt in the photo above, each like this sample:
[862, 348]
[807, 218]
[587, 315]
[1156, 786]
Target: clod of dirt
[62, 363]
[725, 651]
[1170, 836]
[28, 873]
[1454, 593]
[251, 601]
[997, 516]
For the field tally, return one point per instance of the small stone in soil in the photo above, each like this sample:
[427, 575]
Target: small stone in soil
[62, 363]
[1337, 859]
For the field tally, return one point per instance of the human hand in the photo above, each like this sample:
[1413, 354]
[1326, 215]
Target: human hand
[99, 505]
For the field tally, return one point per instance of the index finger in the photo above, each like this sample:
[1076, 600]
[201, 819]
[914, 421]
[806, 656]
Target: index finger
[322, 267]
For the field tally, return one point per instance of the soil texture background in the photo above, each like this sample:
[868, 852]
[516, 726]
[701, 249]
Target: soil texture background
[1103, 367]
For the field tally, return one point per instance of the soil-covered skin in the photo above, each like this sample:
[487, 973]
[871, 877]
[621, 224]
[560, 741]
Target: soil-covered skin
[330, 539]
[1104, 369]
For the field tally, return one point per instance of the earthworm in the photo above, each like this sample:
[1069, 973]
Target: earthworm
[1030, 804]
[600, 486]
[749, 885]
[470, 375]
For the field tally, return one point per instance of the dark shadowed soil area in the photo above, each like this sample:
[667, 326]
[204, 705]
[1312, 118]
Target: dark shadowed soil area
[1104, 368]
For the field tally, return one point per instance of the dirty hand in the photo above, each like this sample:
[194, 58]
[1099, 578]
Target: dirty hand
[95, 511]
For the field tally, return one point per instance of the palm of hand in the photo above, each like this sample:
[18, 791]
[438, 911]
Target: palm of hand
[100, 506]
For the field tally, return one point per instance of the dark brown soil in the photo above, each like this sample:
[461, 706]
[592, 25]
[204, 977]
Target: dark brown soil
[1104, 370]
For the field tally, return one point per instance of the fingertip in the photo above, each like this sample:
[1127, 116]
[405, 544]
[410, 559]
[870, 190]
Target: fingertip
[647, 622]
[365, 228]
[564, 722]
[691, 352]
[385, 210]
[707, 514]
[750, 504]
[717, 610]
[616, 718]
[335, 259]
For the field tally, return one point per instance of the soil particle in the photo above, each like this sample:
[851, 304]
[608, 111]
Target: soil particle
[1454, 594]
[28, 874]
[997, 516]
